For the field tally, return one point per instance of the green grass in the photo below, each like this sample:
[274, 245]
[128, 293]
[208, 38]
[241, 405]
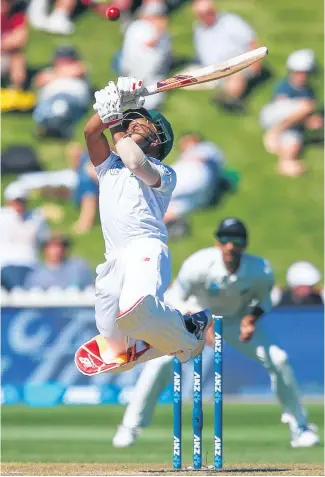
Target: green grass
[284, 215]
[252, 433]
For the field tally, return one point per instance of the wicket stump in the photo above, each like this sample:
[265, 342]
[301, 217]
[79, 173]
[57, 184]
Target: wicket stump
[197, 417]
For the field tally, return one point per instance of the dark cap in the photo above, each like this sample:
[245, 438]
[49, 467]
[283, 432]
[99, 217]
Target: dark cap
[231, 227]
[57, 237]
[65, 51]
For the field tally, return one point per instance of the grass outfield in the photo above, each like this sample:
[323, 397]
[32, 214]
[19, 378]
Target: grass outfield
[70, 434]
[284, 215]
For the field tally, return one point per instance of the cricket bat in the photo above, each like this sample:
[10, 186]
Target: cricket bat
[208, 73]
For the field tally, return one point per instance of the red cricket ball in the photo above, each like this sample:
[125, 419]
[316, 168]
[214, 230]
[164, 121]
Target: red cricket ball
[113, 13]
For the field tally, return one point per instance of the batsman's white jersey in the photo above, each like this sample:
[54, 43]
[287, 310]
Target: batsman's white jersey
[130, 209]
[204, 282]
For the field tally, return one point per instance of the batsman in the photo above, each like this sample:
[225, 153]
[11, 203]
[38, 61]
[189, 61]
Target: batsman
[135, 188]
[236, 285]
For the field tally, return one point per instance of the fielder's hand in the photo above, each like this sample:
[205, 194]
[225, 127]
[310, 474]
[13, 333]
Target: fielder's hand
[130, 90]
[108, 105]
[247, 328]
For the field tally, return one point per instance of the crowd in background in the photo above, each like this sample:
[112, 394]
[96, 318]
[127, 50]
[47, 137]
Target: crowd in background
[60, 94]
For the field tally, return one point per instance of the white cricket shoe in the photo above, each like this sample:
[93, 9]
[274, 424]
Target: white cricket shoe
[305, 437]
[58, 22]
[125, 436]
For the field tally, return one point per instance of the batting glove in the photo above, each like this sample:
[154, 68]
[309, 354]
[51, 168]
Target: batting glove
[130, 90]
[108, 105]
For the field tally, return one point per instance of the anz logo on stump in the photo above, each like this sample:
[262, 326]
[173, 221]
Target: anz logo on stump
[197, 445]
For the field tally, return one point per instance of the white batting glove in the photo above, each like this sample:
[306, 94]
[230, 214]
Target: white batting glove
[108, 105]
[130, 90]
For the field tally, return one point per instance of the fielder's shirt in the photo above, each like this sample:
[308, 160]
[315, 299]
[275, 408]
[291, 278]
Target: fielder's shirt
[205, 277]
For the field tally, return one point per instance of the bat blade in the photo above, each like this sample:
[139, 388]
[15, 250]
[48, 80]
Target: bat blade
[208, 73]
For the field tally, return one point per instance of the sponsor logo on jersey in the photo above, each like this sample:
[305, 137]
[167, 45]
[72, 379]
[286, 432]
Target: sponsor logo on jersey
[167, 171]
[213, 288]
[115, 165]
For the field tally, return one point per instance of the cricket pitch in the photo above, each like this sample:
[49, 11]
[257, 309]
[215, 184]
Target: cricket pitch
[21, 469]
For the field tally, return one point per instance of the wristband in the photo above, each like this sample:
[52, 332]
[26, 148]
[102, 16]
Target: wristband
[257, 311]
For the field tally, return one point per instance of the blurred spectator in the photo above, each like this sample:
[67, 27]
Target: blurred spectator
[219, 36]
[302, 278]
[58, 269]
[22, 231]
[64, 94]
[58, 21]
[199, 176]
[291, 111]
[18, 158]
[14, 38]
[146, 50]
[85, 194]
[80, 181]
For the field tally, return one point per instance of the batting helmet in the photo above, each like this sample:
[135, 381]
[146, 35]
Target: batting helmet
[164, 130]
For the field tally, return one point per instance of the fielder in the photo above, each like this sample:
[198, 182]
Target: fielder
[237, 286]
[134, 192]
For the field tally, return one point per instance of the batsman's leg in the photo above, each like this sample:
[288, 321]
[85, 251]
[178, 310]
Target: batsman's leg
[144, 315]
[106, 351]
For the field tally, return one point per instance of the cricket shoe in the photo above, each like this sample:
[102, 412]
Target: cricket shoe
[301, 436]
[198, 324]
[125, 436]
[94, 357]
[90, 360]
[305, 437]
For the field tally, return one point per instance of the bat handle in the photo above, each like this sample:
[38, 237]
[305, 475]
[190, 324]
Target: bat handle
[149, 90]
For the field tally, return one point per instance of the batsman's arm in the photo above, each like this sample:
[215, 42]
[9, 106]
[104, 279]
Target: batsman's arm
[134, 158]
[97, 143]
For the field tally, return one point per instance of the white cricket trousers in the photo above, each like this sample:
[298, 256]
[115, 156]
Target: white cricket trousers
[130, 273]
[157, 374]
